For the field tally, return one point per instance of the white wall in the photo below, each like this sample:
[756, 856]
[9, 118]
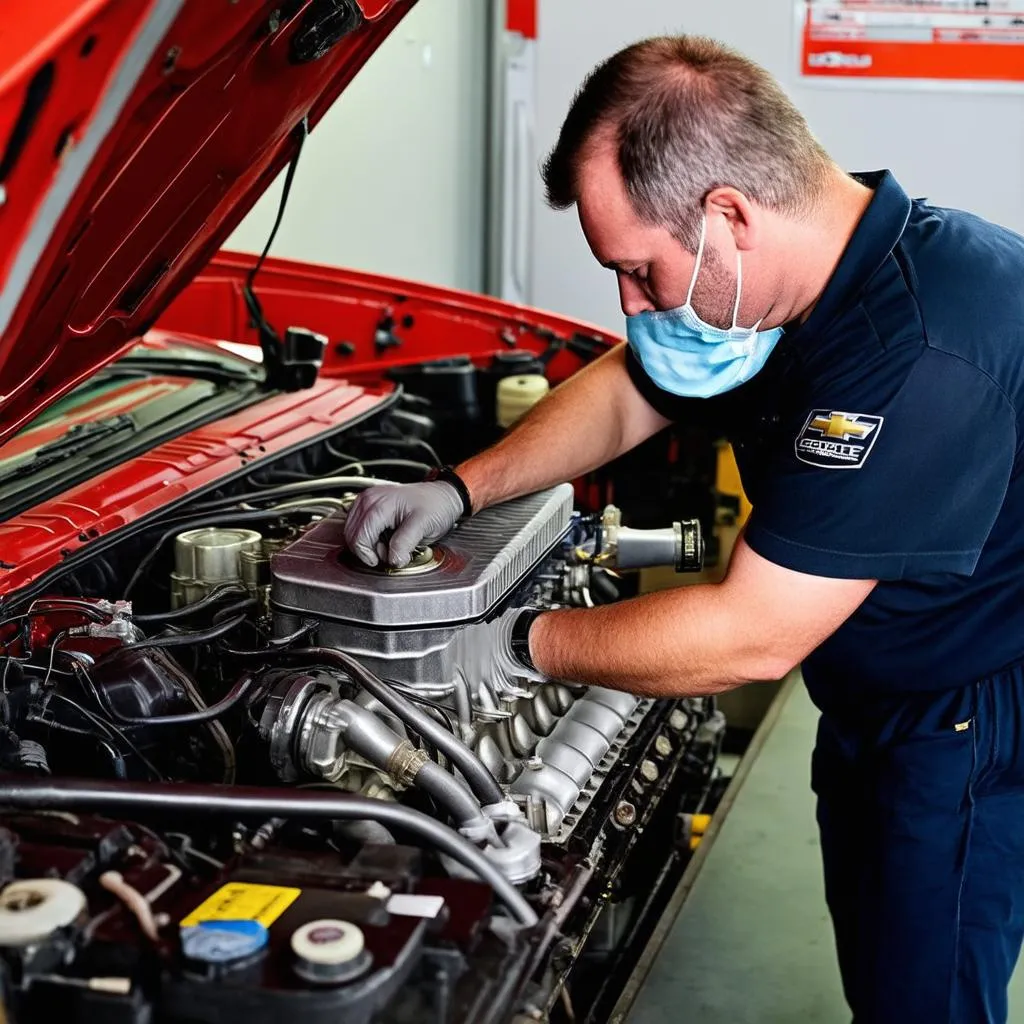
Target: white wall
[957, 149]
[392, 179]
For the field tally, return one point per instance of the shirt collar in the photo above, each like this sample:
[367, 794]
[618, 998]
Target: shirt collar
[873, 240]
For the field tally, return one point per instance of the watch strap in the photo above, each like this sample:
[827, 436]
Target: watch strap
[519, 642]
[447, 475]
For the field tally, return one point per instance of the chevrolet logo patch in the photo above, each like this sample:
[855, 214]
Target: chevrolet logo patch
[837, 440]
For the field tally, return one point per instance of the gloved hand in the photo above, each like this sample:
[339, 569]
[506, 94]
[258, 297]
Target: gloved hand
[483, 655]
[416, 513]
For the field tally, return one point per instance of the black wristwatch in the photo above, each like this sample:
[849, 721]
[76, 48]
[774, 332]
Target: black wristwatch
[447, 474]
[520, 639]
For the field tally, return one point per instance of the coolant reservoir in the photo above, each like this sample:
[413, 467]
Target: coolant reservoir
[518, 395]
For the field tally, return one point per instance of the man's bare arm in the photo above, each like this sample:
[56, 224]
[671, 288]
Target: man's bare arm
[593, 417]
[759, 623]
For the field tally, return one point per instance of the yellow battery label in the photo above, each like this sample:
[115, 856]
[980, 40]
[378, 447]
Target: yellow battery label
[244, 901]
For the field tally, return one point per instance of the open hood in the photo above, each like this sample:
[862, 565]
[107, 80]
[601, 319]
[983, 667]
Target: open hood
[134, 136]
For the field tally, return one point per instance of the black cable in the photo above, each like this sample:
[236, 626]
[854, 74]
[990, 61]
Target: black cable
[283, 641]
[234, 697]
[186, 639]
[401, 440]
[234, 608]
[97, 616]
[131, 798]
[269, 339]
[120, 770]
[396, 463]
[112, 731]
[174, 615]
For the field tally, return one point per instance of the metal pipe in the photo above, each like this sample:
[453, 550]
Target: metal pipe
[347, 724]
[242, 801]
[481, 781]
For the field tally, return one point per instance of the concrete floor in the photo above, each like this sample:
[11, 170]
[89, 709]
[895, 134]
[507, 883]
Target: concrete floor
[753, 942]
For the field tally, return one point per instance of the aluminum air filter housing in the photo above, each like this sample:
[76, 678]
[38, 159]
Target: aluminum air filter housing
[400, 623]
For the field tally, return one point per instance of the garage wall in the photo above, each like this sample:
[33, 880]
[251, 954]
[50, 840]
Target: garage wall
[392, 179]
[958, 149]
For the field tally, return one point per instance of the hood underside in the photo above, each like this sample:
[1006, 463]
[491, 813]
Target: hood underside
[135, 135]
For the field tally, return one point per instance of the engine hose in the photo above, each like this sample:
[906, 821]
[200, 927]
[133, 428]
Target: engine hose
[483, 784]
[231, 699]
[190, 609]
[129, 798]
[195, 636]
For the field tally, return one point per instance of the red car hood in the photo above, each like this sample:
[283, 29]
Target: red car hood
[134, 136]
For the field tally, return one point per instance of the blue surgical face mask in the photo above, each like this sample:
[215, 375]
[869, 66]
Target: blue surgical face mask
[688, 357]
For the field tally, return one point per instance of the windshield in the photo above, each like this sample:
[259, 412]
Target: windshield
[144, 378]
[159, 390]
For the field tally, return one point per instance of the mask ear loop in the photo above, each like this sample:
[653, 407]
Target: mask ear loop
[700, 256]
[739, 292]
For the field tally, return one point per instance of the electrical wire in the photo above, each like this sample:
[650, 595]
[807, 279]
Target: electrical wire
[269, 339]
[174, 615]
[116, 758]
[301, 489]
[235, 696]
[396, 463]
[112, 731]
[403, 440]
[196, 636]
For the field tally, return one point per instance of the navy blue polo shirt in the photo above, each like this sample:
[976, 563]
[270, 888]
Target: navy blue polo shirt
[881, 441]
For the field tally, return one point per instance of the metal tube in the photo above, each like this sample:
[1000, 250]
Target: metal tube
[475, 772]
[362, 731]
[131, 797]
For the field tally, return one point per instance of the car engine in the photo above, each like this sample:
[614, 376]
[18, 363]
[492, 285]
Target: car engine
[246, 772]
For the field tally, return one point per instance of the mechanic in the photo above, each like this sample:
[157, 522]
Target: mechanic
[865, 354]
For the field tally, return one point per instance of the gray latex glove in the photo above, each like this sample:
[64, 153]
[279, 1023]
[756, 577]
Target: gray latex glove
[483, 655]
[407, 515]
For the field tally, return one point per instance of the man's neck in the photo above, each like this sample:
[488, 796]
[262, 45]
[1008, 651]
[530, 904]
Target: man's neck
[816, 248]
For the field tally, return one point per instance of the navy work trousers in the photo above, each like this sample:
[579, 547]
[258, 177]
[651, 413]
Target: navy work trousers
[921, 812]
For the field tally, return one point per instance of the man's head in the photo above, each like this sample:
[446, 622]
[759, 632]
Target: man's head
[665, 133]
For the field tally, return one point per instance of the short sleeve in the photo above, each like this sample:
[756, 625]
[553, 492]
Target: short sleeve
[670, 406]
[905, 490]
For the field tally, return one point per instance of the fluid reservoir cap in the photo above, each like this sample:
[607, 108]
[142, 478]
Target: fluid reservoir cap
[223, 942]
[329, 951]
[32, 909]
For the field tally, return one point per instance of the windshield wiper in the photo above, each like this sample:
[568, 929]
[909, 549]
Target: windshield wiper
[78, 438]
[198, 369]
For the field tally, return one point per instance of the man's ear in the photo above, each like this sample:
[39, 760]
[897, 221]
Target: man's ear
[740, 215]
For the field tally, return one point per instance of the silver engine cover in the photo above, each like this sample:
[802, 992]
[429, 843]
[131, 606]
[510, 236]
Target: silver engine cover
[400, 624]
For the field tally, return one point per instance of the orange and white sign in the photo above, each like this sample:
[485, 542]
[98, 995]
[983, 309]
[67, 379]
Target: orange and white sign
[943, 41]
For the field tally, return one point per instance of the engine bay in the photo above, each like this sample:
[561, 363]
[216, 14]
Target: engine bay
[246, 773]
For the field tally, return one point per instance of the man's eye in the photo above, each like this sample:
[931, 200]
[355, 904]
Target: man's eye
[639, 274]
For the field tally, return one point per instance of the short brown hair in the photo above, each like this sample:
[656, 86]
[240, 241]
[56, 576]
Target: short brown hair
[689, 115]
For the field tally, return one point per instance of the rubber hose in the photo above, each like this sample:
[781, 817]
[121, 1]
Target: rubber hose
[190, 609]
[233, 697]
[243, 801]
[197, 636]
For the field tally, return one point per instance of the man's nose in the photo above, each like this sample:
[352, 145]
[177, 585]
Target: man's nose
[632, 297]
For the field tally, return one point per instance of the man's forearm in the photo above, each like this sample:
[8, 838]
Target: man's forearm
[674, 643]
[588, 421]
